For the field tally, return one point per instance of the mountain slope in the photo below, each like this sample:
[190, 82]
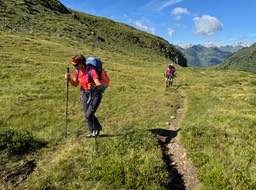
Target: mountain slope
[244, 60]
[199, 55]
[51, 18]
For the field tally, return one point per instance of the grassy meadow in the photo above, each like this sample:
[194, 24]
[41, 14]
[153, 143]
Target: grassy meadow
[33, 97]
[218, 126]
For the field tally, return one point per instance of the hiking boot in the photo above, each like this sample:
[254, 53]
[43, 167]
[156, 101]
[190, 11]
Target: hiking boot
[90, 135]
[97, 131]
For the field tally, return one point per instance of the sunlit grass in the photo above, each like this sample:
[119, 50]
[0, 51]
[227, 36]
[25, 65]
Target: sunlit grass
[218, 127]
[135, 103]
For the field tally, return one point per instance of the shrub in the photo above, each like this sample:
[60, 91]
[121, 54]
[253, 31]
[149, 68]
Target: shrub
[15, 142]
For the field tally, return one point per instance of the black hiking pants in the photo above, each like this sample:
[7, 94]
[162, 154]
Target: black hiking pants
[91, 101]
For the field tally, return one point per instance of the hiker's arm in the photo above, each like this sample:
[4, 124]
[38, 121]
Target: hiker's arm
[96, 81]
[74, 81]
[97, 84]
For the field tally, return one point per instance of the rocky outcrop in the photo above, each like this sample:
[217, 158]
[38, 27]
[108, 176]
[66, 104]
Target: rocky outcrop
[171, 53]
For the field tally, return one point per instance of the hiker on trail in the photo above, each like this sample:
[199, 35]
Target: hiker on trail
[169, 75]
[91, 92]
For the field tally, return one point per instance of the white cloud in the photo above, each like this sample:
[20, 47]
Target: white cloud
[170, 32]
[207, 25]
[158, 5]
[180, 11]
[141, 26]
[146, 26]
[168, 3]
[244, 40]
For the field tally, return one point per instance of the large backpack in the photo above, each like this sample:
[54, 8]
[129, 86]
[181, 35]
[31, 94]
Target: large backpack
[172, 68]
[96, 63]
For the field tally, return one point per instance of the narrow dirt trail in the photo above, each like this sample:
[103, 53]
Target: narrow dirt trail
[182, 172]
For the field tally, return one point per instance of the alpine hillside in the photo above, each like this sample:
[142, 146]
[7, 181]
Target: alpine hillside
[243, 60]
[39, 17]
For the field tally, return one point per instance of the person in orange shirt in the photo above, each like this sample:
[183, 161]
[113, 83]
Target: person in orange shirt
[91, 92]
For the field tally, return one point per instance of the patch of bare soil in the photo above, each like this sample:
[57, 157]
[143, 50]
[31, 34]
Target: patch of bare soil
[182, 172]
[17, 174]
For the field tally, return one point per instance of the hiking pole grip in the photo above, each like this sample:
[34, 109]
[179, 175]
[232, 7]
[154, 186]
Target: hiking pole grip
[66, 128]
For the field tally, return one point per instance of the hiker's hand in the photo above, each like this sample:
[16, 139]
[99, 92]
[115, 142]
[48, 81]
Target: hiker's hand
[90, 86]
[67, 76]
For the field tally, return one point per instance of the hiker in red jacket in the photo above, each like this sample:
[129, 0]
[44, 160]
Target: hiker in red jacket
[91, 92]
[169, 75]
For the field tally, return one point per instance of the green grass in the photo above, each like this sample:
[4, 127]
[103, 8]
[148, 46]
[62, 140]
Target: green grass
[33, 98]
[218, 127]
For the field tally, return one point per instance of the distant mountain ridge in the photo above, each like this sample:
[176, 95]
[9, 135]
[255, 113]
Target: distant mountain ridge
[236, 46]
[51, 18]
[243, 60]
[202, 56]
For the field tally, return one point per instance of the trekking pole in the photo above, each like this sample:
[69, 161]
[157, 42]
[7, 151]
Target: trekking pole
[66, 128]
[93, 122]
[175, 79]
[93, 119]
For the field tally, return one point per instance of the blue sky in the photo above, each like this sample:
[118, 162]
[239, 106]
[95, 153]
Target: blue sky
[220, 22]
